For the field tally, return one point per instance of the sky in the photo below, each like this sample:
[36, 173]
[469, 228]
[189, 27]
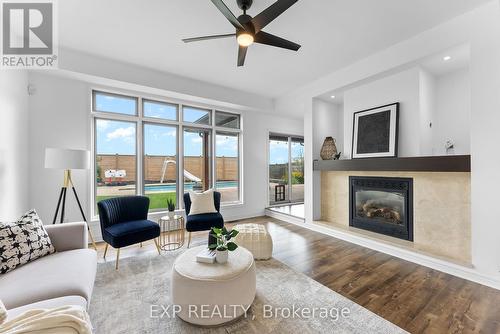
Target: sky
[278, 151]
[118, 137]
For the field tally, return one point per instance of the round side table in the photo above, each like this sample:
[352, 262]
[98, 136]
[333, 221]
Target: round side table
[172, 232]
[222, 291]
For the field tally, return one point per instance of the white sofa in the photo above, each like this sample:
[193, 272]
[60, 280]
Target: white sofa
[63, 278]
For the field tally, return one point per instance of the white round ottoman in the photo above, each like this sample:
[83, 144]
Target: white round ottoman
[255, 238]
[213, 294]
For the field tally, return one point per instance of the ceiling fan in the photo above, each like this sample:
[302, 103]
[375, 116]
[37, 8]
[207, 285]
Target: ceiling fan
[249, 29]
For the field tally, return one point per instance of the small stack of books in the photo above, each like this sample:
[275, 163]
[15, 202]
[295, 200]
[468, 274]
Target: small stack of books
[206, 256]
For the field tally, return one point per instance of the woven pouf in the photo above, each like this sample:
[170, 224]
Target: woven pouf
[255, 238]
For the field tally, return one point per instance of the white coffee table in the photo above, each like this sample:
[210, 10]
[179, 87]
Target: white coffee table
[202, 289]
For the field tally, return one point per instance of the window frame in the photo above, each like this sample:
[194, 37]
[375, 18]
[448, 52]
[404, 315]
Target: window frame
[226, 113]
[210, 131]
[93, 202]
[239, 171]
[140, 120]
[154, 119]
[276, 136]
[209, 111]
[122, 96]
[143, 143]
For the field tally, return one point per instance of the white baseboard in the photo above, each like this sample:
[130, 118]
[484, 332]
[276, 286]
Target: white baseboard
[285, 217]
[422, 259]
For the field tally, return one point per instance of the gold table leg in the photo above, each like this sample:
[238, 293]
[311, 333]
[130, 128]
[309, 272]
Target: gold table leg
[172, 236]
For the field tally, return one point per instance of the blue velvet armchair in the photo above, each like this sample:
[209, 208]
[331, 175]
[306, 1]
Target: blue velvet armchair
[205, 221]
[124, 222]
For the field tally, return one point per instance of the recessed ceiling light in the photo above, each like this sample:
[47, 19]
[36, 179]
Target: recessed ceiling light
[333, 96]
[446, 58]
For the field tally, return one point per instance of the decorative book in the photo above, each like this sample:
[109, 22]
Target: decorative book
[206, 256]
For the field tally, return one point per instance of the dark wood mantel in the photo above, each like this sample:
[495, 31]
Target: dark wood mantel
[447, 163]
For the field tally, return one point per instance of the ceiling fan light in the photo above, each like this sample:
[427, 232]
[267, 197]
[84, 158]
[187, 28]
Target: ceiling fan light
[245, 39]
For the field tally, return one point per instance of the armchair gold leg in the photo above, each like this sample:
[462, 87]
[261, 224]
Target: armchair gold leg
[117, 258]
[157, 246]
[189, 239]
[105, 250]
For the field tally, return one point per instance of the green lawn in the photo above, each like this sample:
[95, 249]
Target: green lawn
[157, 200]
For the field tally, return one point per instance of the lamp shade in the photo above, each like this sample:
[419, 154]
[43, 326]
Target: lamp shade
[62, 158]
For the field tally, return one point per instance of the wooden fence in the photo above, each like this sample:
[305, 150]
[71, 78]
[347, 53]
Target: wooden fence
[227, 168]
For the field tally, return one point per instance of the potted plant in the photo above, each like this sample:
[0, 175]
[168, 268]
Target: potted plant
[223, 245]
[171, 208]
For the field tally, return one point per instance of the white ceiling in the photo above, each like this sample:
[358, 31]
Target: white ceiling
[436, 65]
[333, 33]
[459, 58]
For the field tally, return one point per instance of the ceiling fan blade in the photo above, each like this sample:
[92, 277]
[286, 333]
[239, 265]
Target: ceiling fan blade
[272, 40]
[242, 53]
[270, 13]
[204, 38]
[228, 14]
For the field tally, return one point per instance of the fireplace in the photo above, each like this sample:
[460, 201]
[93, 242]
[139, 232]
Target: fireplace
[382, 204]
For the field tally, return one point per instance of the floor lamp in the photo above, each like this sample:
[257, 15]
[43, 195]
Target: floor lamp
[67, 160]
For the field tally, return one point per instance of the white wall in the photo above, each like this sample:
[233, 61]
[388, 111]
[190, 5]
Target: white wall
[452, 112]
[485, 134]
[13, 144]
[427, 103]
[432, 109]
[116, 74]
[480, 29]
[327, 121]
[255, 147]
[60, 117]
[402, 87]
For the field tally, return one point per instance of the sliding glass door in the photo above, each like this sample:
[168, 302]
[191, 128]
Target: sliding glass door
[297, 169]
[286, 169]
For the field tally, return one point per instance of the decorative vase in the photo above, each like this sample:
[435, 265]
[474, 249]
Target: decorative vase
[329, 149]
[221, 256]
[171, 214]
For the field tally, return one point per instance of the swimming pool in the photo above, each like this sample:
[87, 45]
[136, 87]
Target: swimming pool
[187, 186]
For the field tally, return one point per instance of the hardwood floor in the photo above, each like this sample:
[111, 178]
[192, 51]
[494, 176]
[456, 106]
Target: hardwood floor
[416, 298]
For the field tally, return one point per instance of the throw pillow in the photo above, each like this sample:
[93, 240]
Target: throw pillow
[23, 241]
[3, 313]
[202, 202]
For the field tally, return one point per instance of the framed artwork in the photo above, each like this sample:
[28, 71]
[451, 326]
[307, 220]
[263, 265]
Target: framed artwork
[375, 132]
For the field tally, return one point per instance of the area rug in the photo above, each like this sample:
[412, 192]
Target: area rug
[123, 301]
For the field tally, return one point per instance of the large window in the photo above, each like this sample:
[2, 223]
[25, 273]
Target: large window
[160, 164]
[115, 103]
[162, 149]
[196, 115]
[197, 159]
[227, 165]
[115, 159]
[160, 110]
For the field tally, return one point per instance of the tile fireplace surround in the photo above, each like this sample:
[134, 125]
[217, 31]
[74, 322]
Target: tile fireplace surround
[441, 207]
